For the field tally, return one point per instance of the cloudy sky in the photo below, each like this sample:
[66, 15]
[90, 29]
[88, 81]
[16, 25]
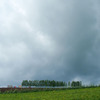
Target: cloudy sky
[49, 39]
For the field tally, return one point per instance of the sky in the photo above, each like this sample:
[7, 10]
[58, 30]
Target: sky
[49, 40]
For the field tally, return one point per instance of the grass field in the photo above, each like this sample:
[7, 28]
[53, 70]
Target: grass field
[69, 94]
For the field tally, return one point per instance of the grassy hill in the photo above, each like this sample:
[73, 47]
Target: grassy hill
[68, 94]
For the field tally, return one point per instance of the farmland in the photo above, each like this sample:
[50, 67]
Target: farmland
[67, 94]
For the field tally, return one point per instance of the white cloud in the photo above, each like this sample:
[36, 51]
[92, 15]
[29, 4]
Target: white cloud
[48, 39]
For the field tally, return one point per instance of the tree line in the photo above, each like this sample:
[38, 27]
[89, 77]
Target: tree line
[52, 83]
[43, 83]
[76, 84]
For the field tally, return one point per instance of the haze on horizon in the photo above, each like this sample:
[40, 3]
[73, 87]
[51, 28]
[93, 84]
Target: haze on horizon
[49, 39]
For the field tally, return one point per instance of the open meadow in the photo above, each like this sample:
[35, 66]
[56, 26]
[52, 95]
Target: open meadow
[68, 94]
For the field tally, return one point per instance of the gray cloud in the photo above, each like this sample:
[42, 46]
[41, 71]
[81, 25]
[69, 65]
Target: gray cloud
[49, 40]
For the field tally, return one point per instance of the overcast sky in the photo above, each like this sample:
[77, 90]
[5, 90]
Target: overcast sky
[49, 39]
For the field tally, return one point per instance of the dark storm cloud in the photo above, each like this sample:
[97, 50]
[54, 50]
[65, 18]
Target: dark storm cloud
[53, 39]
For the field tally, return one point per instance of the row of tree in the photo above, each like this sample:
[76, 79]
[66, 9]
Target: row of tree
[51, 83]
[43, 83]
[76, 84]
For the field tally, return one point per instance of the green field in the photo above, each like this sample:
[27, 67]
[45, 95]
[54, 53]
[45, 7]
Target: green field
[68, 94]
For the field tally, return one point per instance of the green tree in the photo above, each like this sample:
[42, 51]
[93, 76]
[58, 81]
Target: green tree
[30, 83]
[25, 83]
[68, 84]
[76, 84]
[35, 83]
